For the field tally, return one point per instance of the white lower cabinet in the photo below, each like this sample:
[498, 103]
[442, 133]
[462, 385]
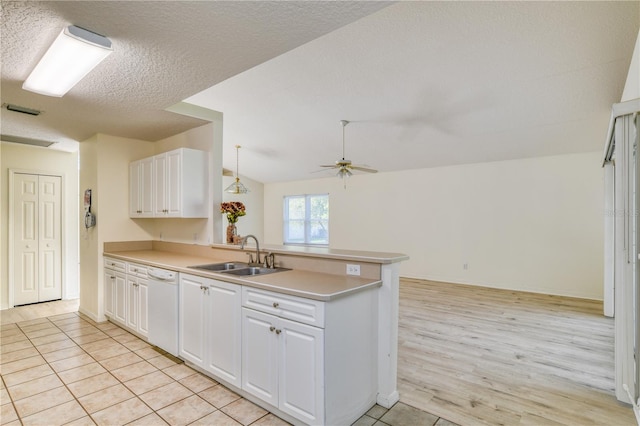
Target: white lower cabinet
[210, 326]
[282, 364]
[112, 281]
[126, 294]
[137, 302]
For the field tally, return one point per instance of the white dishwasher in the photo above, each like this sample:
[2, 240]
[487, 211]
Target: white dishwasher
[163, 309]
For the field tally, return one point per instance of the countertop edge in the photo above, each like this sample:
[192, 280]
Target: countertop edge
[326, 253]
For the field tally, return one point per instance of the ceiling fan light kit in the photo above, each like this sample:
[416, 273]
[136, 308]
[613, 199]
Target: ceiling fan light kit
[73, 54]
[237, 187]
[344, 167]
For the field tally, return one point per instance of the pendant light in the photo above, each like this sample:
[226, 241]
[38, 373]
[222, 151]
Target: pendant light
[237, 187]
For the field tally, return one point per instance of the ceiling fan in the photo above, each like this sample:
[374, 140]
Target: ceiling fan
[344, 167]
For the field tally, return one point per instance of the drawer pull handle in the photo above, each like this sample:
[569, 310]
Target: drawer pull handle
[276, 304]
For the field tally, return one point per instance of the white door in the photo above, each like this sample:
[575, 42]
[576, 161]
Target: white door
[133, 302]
[109, 291]
[135, 209]
[260, 355]
[146, 187]
[174, 183]
[191, 322]
[224, 330]
[160, 186]
[37, 239]
[301, 380]
[143, 307]
[120, 297]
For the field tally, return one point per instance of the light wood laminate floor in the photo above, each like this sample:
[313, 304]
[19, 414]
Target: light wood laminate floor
[478, 356]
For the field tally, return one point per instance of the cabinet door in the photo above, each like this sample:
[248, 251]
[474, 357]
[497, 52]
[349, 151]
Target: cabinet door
[223, 333]
[301, 371]
[192, 317]
[120, 298]
[146, 187]
[109, 291]
[134, 189]
[143, 302]
[132, 302]
[160, 179]
[173, 203]
[260, 355]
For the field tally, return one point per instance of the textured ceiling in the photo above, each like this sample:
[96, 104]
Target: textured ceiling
[432, 84]
[425, 83]
[164, 51]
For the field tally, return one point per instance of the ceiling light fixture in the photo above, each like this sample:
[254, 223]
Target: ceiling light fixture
[237, 187]
[73, 54]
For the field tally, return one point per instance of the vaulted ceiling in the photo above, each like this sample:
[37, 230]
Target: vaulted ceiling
[425, 84]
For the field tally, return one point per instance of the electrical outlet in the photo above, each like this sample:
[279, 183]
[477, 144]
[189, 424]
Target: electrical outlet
[353, 269]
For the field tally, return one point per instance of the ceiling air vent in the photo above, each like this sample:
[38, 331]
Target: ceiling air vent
[23, 110]
[26, 141]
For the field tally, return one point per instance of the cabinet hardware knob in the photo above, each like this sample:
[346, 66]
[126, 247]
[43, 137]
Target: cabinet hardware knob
[276, 304]
[272, 328]
[112, 277]
[278, 331]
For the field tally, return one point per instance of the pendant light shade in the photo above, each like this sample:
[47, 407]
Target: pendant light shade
[237, 187]
[70, 58]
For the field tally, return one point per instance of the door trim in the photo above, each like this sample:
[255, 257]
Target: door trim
[63, 240]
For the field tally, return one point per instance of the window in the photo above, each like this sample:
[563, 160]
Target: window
[306, 219]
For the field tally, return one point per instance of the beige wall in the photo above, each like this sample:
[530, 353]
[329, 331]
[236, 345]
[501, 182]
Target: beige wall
[632, 86]
[42, 160]
[532, 225]
[104, 168]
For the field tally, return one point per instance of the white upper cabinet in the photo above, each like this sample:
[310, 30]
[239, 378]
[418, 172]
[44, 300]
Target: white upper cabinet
[141, 188]
[174, 185]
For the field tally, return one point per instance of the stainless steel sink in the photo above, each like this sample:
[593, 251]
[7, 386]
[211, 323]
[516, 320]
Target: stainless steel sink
[226, 266]
[253, 270]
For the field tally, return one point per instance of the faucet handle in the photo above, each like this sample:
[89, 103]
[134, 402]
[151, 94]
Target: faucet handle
[250, 257]
[269, 260]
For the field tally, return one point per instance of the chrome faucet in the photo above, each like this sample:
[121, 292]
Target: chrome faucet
[258, 262]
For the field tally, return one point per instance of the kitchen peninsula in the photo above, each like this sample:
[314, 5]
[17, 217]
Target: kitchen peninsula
[309, 342]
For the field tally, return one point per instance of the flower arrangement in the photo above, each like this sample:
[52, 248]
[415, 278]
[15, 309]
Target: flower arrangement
[233, 210]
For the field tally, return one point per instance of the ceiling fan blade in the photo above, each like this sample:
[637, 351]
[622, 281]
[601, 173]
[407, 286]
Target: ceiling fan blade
[326, 165]
[364, 169]
[321, 170]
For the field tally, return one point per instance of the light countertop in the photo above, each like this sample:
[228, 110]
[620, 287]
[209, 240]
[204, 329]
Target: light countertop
[311, 285]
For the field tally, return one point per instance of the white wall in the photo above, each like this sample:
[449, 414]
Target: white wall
[43, 160]
[532, 225]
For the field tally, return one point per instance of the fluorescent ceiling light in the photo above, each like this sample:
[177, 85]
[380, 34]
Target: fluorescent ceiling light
[72, 56]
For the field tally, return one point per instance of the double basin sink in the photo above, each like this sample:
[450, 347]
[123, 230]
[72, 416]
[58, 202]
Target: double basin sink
[238, 269]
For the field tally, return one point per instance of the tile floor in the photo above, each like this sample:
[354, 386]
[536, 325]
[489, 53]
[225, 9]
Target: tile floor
[64, 368]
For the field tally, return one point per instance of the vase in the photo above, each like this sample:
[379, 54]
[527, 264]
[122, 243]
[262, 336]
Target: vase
[232, 233]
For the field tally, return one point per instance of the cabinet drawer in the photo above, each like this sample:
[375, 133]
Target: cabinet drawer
[114, 264]
[299, 309]
[137, 270]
